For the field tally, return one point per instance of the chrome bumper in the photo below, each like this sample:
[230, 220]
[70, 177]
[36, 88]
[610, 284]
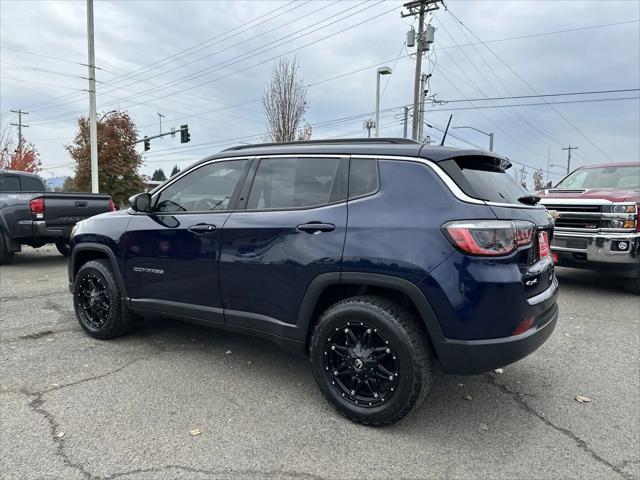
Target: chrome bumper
[598, 247]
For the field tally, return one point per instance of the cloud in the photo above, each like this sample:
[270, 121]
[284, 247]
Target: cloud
[177, 59]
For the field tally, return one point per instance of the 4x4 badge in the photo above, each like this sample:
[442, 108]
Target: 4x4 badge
[157, 271]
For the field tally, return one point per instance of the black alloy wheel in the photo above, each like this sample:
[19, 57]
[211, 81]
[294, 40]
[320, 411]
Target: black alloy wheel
[97, 301]
[361, 365]
[94, 300]
[371, 359]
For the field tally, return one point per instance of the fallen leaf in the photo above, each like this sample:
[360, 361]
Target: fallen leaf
[228, 352]
[59, 435]
[461, 385]
[581, 399]
[467, 397]
[499, 370]
[483, 426]
[195, 431]
[249, 362]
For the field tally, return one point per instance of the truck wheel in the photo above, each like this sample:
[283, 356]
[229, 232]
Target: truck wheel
[5, 255]
[371, 359]
[633, 285]
[97, 303]
[64, 247]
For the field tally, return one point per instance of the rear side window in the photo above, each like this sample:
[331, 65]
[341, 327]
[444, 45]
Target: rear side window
[32, 184]
[286, 183]
[9, 183]
[363, 177]
[485, 178]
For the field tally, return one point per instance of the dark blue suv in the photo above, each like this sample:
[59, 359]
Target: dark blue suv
[378, 258]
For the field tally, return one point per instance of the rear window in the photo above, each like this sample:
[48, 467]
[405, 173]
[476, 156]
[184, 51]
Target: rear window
[31, 184]
[485, 178]
[9, 183]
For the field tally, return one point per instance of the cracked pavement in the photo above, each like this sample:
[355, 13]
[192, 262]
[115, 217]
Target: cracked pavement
[72, 407]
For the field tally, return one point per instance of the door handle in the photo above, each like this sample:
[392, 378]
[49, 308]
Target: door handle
[316, 227]
[202, 228]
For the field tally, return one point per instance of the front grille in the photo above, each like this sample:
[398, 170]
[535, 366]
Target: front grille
[579, 216]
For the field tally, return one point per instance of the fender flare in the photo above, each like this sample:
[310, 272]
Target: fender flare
[322, 281]
[97, 247]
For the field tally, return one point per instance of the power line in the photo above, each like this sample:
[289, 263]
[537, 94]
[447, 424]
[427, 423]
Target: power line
[560, 94]
[253, 65]
[591, 100]
[533, 89]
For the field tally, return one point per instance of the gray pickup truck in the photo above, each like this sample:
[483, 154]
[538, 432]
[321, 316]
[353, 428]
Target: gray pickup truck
[29, 215]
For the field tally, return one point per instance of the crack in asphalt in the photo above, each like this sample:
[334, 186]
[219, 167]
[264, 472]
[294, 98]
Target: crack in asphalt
[37, 406]
[256, 473]
[583, 445]
[13, 298]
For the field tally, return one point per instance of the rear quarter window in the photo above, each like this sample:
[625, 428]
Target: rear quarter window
[484, 178]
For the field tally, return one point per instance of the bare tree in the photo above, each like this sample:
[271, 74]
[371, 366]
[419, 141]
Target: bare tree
[285, 103]
[538, 180]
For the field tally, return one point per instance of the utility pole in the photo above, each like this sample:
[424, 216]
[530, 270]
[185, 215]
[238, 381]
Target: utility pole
[419, 8]
[19, 125]
[93, 127]
[568, 149]
[423, 97]
[405, 119]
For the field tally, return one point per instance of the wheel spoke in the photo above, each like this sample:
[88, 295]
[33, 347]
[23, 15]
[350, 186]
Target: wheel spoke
[350, 336]
[385, 371]
[340, 350]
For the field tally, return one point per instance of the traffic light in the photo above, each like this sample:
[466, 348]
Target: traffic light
[147, 144]
[184, 134]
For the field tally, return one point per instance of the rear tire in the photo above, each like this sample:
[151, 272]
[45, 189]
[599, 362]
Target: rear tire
[382, 376]
[97, 301]
[633, 285]
[5, 255]
[64, 247]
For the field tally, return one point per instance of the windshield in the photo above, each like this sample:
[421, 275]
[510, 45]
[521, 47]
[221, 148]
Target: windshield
[603, 177]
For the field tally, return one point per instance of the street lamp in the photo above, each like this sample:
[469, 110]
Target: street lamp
[108, 113]
[381, 71]
[490, 135]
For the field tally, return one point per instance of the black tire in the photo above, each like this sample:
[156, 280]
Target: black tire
[64, 247]
[97, 276]
[5, 255]
[408, 346]
[633, 285]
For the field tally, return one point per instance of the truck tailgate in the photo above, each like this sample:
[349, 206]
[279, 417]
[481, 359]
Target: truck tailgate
[69, 208]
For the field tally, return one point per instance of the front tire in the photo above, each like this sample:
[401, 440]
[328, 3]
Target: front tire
[97, 301]
[371, 359]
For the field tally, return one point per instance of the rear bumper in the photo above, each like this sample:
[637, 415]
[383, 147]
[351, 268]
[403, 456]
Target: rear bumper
[598, 251]
[472, 357]
[39, 229]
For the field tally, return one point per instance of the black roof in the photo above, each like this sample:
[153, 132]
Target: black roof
[354, 146]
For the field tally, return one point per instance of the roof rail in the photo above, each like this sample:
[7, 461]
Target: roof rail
[334, 141]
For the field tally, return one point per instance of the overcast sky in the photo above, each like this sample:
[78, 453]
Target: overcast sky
[206, 63]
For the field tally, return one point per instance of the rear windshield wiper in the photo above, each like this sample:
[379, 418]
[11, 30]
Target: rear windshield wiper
[529, 200]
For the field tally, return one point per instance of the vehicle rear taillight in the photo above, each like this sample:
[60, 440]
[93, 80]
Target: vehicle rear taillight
[36, 206]
[490, 237]
[112, 206]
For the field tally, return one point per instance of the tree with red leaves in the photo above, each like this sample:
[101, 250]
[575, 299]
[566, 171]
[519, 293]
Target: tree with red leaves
[118, 161]
[26, 159]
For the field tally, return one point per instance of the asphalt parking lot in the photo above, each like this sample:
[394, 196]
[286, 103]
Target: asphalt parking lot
[73, 407]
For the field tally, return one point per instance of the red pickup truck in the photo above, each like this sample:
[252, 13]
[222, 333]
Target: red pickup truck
[597, 225]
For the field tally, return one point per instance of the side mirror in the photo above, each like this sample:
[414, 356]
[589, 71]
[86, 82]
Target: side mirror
[141, 202]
